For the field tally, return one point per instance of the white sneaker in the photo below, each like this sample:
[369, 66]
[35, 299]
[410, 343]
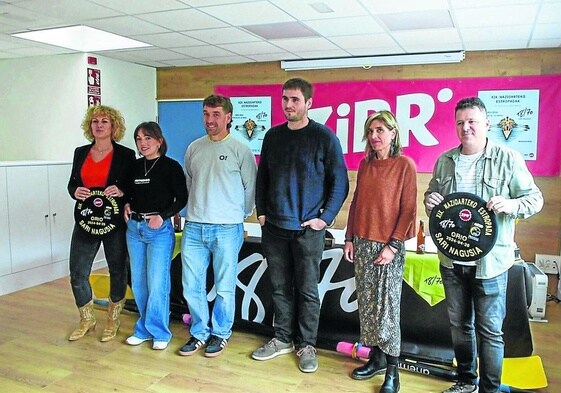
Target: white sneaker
[133, 340]
[159, 345]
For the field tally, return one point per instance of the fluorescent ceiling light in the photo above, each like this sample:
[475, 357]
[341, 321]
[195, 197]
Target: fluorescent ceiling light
[81, 38]
[374, 61]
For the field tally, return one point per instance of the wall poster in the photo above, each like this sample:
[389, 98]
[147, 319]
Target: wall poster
[514, 119]
[250, 120]
[94, 86]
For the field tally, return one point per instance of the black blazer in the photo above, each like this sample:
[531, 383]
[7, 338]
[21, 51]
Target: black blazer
[119, 171]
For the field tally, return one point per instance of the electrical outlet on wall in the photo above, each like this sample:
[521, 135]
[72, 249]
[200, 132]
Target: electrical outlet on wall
[549, 264]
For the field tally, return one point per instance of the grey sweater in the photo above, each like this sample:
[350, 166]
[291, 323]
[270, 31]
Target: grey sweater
[220, 181]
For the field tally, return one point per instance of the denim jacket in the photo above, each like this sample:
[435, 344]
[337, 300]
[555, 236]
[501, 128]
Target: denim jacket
[501, 171]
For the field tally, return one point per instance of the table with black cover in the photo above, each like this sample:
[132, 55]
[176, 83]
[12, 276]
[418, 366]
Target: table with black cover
[424, 328]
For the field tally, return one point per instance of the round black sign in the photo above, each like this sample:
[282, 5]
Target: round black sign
[462, 228]
[98, 214]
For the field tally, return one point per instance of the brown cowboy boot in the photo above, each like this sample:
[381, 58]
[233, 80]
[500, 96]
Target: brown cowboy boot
[113, 323]
[87, 322]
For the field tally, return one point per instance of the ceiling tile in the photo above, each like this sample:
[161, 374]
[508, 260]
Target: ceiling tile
[273, 56]
[458, 4]
[251, 48]
[305, 44]
[495, 16]
[206, 51]
[6, 55]
[379, 50]
[74, 10]
[186, 62]
[230, 60]
[183, 20]
[384, 7]
[141, 6]
[33, 51]
[438, 19]
[126, 25]
[225, 35]
[346, 26]
[205, 3]
[24, 19]
[305, 10]
[321, 54]
[283, 30]
[365, 41]
[553, 43]
[496, 45]
[260, 12]
[547, 31]
[168, 40]
[505, 33]
[428, 37]
[550, 13]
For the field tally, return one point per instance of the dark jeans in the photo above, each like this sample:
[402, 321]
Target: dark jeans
[293, 259]
[476, 307]
[83, 249]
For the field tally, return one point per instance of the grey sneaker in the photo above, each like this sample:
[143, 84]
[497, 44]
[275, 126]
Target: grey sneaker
[461, 387]
[272, 349]
[308, 360]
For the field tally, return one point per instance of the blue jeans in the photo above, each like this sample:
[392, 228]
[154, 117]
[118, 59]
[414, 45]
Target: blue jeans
[150, 254]
[476, 307]
[293, 259]
[201, 244]
[83, 248]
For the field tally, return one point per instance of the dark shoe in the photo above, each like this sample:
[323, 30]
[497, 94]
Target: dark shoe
[215, 347]
[308, 362]
[376, 365]
[461, 387]
[391, 383]
[192, 346]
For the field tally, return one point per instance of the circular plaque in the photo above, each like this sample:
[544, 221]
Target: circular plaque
[98, 214]
[462, 228]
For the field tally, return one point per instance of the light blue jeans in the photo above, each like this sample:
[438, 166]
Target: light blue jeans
[150, 253]
[476, 307]
[202, 244]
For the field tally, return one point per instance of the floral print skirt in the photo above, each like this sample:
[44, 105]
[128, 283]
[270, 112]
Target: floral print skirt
[379, 295]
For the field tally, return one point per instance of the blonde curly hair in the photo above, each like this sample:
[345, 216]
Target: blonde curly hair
[117, 121]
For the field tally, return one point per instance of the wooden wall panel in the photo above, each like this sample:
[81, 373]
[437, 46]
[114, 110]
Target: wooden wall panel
[539, 234]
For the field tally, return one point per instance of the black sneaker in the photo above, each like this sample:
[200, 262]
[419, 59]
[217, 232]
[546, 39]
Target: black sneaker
[192, 346]
[215, 347]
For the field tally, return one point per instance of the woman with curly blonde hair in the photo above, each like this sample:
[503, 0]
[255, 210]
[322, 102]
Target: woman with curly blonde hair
[106, 165]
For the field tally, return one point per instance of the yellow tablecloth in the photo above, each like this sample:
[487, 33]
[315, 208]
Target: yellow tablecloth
[177, 248]
[422, 274]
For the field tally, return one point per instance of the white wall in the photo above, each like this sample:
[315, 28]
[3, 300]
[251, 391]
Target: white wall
[43, 101]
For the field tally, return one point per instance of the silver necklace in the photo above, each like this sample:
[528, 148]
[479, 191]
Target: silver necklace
[146, 172]
[101, 151]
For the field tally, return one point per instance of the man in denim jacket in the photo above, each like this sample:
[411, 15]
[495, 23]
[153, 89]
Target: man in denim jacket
[476, 290]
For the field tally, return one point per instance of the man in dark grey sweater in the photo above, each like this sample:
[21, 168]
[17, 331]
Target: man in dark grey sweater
[301, 185]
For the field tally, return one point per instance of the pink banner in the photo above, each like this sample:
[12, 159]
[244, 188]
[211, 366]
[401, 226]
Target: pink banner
[425, 112]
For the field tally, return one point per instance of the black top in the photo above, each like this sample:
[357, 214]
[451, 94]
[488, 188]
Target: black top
[158, 186]
[302, 175]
